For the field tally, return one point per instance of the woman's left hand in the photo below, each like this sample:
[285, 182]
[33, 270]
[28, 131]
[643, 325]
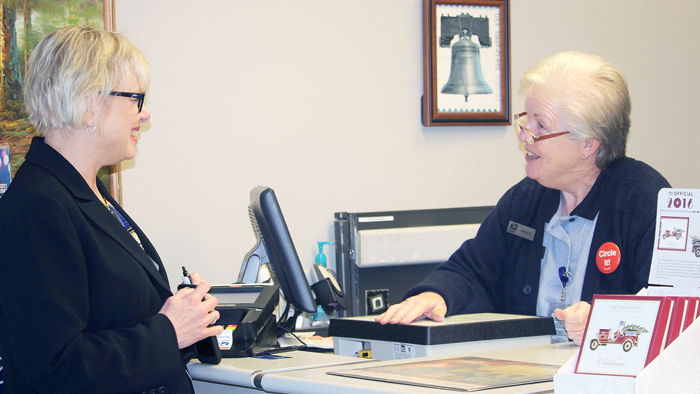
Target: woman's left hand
[574, 318]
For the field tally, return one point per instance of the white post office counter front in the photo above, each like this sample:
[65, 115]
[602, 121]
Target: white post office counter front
[306, 373]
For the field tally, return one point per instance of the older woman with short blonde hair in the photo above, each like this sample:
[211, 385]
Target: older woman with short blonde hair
[537, 252]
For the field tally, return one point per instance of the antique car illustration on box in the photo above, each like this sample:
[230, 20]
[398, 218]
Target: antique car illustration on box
[626, 335]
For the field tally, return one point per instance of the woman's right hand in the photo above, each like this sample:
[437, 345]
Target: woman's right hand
[191, 316]
[428, 304]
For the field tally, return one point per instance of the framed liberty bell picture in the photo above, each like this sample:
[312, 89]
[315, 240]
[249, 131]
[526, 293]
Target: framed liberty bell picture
[466, 63]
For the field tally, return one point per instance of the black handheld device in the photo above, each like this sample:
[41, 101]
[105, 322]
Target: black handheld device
[207, 350]
[329, 295]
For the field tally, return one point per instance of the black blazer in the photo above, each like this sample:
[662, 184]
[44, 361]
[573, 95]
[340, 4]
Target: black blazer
[79, 298]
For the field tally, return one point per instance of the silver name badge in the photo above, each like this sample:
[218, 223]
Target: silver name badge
[521, 231]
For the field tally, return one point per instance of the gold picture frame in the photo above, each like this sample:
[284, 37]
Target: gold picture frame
[114, 182]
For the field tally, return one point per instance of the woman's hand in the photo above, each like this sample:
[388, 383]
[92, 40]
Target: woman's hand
[428, 304]
[574, 318]
[191, 311]
[196, 280]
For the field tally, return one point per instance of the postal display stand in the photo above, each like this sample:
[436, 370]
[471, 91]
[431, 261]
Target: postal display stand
[675, 370]
[676, 253]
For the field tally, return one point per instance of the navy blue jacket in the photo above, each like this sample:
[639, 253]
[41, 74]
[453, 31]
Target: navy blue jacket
[79, 298]
[500, 272]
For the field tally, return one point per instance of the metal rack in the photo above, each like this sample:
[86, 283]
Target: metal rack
[357, 281]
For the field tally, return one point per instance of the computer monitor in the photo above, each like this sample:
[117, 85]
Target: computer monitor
[274, 246]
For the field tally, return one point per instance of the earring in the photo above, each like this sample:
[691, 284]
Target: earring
[94, 127]
[583, 155]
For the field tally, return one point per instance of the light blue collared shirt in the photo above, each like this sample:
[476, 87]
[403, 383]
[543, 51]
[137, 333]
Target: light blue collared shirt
[567, 242]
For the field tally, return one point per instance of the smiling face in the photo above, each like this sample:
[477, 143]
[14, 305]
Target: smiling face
[119, 124]
[557, 162]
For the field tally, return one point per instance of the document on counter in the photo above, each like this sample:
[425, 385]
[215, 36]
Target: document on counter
[460, 374]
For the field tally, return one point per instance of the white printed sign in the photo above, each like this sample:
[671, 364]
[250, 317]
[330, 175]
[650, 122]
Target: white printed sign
[676, 257]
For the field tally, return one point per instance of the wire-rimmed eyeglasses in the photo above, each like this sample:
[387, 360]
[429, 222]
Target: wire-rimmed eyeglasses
[530, 138]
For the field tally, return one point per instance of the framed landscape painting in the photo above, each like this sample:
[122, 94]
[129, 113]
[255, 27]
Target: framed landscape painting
[24, 23]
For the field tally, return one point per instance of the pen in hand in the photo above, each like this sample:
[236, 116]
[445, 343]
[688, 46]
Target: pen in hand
[186, 279]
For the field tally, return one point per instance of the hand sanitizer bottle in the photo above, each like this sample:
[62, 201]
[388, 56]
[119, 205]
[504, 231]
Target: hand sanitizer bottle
[320, 318]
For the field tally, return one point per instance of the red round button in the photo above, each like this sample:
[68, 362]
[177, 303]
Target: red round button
[608, 257]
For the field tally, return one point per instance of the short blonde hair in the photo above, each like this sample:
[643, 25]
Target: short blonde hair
[593, 98]
[72, 69]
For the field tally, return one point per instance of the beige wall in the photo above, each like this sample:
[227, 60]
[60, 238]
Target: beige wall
[332, 90]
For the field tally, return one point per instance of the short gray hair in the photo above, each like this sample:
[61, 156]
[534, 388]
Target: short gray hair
[594, 99]
[72, 69]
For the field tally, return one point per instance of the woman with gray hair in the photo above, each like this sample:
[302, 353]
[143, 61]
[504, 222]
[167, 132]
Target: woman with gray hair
[85, 304]
[581, 222]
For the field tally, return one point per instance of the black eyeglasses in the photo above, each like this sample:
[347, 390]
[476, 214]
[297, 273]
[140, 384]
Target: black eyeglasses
[138, 96]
